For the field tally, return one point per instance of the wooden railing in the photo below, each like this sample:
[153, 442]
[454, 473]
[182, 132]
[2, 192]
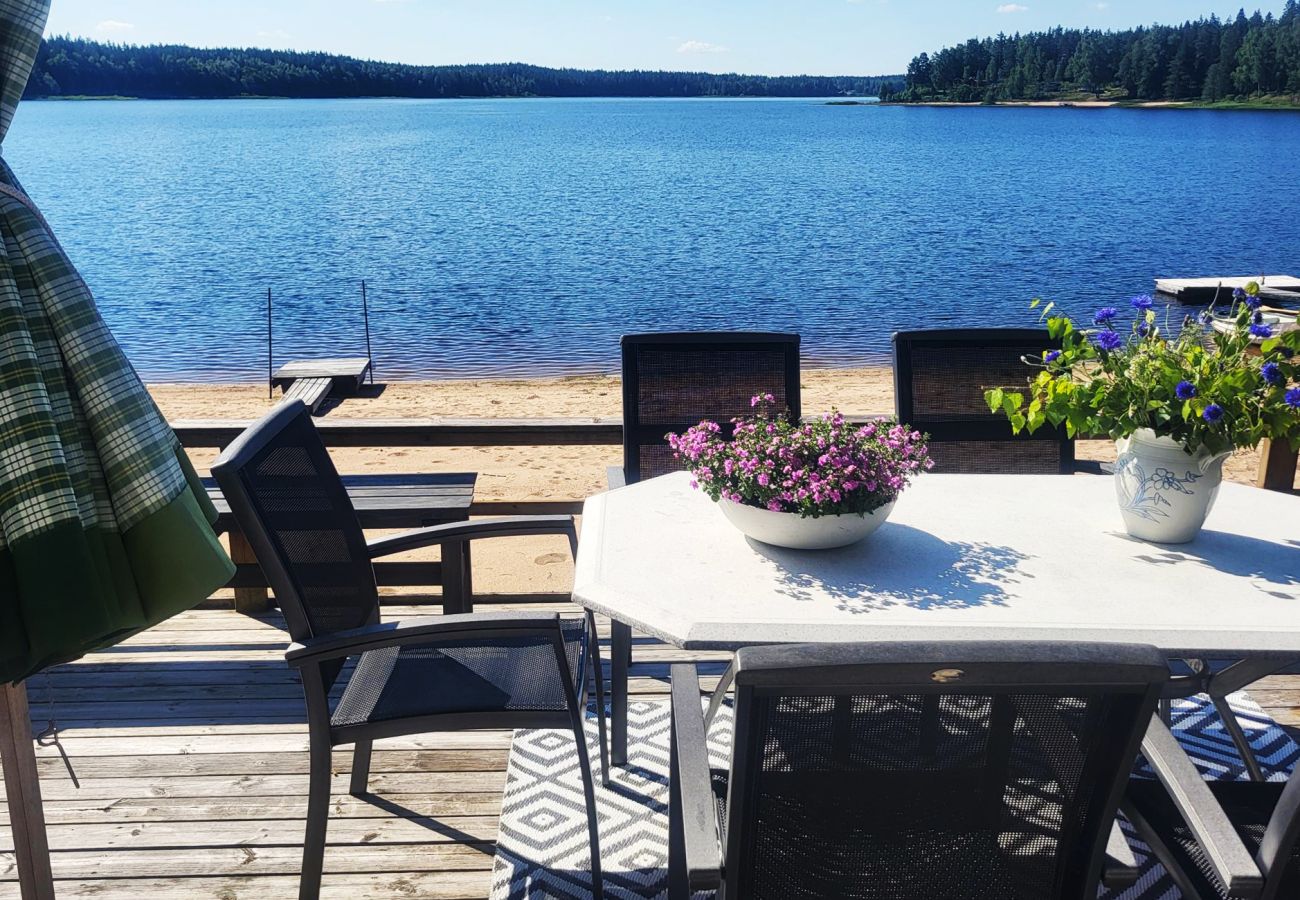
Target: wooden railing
[1277, 467]
[207, 433]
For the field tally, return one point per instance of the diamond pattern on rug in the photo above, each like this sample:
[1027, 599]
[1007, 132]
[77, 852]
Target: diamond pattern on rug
[542, 850]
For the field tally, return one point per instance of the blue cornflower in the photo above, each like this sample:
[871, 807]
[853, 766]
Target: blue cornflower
[1185, 390]
[1143, 329]
[1205, 317]
[1142, 302]
[1105, 314]
[1051, 356]
[1107, 340]
[1261, 331]
[1238, 294]
[1213, 413]
[1254, 302]
[1271, 373]
[1293, 398]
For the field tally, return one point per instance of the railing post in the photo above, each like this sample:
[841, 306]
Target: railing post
[1277, 466]
[249, 600]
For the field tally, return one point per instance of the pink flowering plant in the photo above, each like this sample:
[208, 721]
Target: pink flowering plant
[823, 467]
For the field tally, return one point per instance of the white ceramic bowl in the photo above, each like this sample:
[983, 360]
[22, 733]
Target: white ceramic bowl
[782, 529]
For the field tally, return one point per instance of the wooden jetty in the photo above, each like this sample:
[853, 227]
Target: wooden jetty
[1203, 290]
[312, 380]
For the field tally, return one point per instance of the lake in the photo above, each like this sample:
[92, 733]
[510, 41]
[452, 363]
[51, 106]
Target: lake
[522, 237]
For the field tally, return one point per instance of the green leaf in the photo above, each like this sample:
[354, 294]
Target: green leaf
[994, 399]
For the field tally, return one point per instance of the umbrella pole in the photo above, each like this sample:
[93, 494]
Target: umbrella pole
[23, 790]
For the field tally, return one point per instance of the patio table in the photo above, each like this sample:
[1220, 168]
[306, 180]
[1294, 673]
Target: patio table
[962, 557]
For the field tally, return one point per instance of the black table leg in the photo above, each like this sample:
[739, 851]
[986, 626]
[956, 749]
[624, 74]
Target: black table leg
[620, 651]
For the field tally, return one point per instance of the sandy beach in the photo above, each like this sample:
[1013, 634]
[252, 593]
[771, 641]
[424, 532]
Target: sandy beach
[522, 473]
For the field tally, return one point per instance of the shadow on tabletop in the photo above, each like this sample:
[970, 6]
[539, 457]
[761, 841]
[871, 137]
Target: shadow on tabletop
[881, 573]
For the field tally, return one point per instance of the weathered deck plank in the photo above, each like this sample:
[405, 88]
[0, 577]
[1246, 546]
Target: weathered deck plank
[190, 745]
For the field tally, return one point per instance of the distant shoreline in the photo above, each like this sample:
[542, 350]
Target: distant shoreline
[1260, 105]
[95, 98]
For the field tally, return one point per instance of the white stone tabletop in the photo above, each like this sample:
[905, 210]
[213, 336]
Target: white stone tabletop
[974, 557]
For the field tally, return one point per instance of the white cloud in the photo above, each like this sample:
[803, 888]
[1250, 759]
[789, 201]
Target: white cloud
[701, 47]
[113, 26]
[1006, 8]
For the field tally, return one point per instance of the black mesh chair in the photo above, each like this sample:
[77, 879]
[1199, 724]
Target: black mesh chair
[504, 670]
[939, 382]
[962, 771]
[1217, 839]
[672, 381]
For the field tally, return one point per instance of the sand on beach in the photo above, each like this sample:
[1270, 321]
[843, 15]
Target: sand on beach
[516, 565]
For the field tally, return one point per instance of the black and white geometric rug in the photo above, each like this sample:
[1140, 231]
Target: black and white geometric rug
[542, 849]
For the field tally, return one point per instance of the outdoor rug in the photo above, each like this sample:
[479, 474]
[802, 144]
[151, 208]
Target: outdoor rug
[542, 849]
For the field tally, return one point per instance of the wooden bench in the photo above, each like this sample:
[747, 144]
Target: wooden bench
[381, 501]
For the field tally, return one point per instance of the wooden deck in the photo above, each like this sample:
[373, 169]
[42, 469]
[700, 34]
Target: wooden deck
[189, 746]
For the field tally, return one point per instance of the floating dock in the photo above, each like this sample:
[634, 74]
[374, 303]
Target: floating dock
[312, 380]
[1282, 288]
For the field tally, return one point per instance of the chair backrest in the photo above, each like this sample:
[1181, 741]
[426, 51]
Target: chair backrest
[289, 501]
[673, 381]
[961, 770]
[940, 378]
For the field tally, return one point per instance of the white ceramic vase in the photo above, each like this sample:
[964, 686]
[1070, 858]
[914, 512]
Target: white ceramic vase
[783, 529]
[1164, 492]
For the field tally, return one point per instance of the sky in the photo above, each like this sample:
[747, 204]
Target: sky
[769, 37]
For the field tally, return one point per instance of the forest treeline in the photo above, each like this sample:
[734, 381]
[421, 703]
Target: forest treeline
[1209, 60]
[70, 67]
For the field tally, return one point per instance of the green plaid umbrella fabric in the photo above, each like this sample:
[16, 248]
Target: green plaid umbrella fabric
[104, 528]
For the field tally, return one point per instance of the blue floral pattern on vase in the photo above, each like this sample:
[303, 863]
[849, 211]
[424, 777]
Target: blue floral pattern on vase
[1145, 497]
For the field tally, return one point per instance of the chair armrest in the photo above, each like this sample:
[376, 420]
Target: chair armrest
[690, 754]
[616, 477]
[508, 526]
[1210, 825]
[1120, 867]
[415, 631]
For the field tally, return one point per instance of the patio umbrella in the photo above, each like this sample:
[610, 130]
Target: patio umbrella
[104, 527]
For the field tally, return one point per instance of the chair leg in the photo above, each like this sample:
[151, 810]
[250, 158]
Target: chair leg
[318, 810]
[678, 887]
[598, 670]
[1244, 750]
[593, 820]
[360, 768]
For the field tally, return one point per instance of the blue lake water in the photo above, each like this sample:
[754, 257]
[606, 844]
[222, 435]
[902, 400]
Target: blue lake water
[516, 237]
